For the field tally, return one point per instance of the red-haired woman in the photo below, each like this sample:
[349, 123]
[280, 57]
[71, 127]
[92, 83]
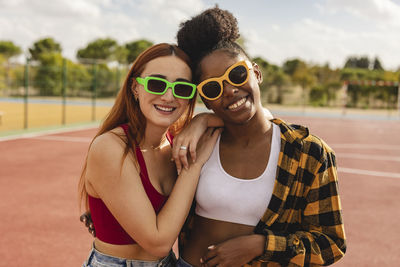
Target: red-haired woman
[137, 201]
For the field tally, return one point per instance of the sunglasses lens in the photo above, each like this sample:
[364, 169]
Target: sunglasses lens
[183, 90]
[211, 89]
[156, 86]
[238, 75]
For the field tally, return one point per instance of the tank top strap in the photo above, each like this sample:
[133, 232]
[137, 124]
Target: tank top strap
[143, 170]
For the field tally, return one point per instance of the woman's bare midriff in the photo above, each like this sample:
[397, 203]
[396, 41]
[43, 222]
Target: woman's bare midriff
[132, 252]
[208, 232]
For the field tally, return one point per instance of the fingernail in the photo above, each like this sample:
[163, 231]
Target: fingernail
[211, 247]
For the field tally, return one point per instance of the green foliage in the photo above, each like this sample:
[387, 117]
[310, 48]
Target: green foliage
[8, 49]
[79, 78]
[377, 64]
[44, 46]
[373, 95]
[105, 81]
[48, 75]
[363, 62]
[299, 72]
[135, 48]
[318, 96]
[275, 81]
[357, 62]
[99, 49]
[3, 73]
[320, 84]
[121, 55]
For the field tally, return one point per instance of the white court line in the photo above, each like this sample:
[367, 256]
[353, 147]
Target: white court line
[47, 132]
[64, 138]
[367, 156]
[366, 146]
[371, 173]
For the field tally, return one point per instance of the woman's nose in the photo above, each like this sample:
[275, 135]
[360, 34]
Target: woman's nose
[229, 89]
[168, 96]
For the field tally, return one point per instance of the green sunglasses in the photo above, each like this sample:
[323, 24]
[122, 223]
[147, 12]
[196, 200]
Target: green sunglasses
[159, 86]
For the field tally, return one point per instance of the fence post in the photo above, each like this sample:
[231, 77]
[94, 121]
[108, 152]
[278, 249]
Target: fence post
[63, 90]
[94, 91]
[344, 104]
[26, 85]
[118, 76]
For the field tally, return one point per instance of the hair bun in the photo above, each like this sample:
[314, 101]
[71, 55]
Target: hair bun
[206, 30]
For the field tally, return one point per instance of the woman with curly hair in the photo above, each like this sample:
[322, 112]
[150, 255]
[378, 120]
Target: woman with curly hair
[268, 195]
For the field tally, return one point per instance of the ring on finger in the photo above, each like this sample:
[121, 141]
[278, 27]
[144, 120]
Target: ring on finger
[183, 147]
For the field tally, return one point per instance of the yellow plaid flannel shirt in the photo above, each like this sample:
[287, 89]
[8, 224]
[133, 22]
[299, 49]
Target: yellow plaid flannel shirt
[303, 222]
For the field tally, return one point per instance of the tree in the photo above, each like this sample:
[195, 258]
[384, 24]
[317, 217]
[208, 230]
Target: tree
[48, 76]
[136, 47]
[300, 75]
[328, 83]
[8, 49]
[358, 62]
[274, 80]
[121, 55]
[377, 64]
[99, 49]
[44, 46]
[363, 63]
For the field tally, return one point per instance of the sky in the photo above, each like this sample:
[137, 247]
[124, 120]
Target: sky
[316, 31]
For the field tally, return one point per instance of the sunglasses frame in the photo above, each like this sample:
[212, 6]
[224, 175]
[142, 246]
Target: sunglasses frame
[145, 81]
[225, 77]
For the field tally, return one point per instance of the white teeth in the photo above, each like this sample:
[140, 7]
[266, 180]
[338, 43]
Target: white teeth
[237, 103]
[166, 109]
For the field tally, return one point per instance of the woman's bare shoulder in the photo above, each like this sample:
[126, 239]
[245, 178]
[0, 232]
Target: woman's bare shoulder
[108, 146]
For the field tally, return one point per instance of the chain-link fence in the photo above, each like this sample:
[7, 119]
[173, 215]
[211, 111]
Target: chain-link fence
[37, 95]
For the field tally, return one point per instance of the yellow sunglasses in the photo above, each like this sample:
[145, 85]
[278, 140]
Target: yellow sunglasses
[236, 75]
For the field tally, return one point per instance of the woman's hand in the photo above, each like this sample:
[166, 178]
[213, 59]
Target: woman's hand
[234, 252]
[86, 218]
[189, 137]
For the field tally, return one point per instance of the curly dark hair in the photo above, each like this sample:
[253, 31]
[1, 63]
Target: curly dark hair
[211, 30]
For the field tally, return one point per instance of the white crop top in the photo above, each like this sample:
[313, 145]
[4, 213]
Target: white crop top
[222, 197]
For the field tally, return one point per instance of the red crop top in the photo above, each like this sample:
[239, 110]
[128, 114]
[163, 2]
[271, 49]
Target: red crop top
[107, 227]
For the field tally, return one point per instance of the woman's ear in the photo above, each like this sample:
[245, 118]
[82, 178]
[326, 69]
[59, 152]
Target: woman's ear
[258, 73]
[134, 90]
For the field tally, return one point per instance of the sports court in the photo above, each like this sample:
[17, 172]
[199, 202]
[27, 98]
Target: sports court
[39, 209]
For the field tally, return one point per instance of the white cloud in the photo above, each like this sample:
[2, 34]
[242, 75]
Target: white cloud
[319, 43]
[326, 30]
[384, 12]
[74, 23]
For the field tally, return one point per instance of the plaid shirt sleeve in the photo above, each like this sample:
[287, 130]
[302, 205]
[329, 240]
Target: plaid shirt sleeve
[303, 223]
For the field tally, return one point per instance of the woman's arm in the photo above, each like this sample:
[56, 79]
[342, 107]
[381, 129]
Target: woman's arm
[122, 192]
[234, 252]
[190, 136]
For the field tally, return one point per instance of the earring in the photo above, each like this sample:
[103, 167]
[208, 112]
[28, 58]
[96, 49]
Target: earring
[135, 95]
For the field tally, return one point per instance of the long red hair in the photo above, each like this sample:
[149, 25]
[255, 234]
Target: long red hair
[126, 109]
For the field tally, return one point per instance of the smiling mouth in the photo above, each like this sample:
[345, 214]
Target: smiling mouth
[237, 104]
[164, 108]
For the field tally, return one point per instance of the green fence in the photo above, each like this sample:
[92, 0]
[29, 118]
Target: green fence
[36, 95]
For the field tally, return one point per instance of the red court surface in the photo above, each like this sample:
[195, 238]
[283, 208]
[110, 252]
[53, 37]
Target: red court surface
[40, 225]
